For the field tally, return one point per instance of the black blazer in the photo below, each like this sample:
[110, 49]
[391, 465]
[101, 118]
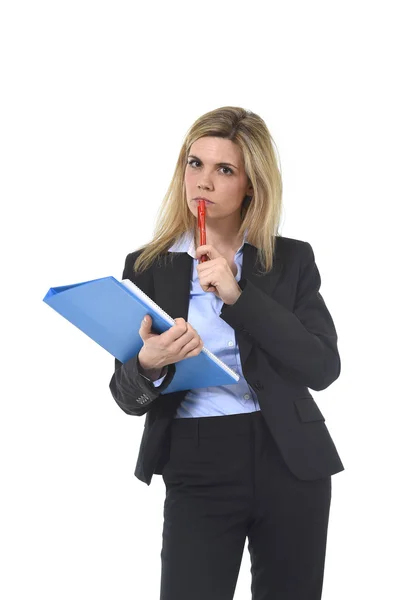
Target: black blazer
[287, 342]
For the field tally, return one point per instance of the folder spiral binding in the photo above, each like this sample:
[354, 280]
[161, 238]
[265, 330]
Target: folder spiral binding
[110, 312]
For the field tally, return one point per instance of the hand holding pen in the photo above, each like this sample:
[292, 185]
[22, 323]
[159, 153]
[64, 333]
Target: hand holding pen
[218, 276]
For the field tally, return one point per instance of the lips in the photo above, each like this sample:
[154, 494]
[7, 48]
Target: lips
[206, 200]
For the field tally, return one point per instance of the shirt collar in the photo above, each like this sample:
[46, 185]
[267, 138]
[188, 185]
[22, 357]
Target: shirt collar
[186, 243]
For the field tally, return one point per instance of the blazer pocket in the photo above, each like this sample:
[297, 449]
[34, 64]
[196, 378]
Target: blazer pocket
[308, 410]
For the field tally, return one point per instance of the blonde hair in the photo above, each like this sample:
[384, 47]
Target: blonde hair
[260, 217]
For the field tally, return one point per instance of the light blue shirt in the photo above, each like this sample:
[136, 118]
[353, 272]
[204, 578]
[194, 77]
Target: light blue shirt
[219, 338]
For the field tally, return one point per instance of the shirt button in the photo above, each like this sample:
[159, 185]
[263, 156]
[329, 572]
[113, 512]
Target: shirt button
[246, 396]
[230, 343]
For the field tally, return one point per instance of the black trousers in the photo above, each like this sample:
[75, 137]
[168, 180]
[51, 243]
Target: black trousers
[226, 481]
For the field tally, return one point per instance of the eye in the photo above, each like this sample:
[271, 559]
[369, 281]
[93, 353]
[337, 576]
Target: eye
[228, 169]
[190, 162]
[193, 160]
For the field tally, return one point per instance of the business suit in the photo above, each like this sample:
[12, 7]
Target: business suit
[287, 342]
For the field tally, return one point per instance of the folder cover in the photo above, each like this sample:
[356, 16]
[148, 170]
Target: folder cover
[110, 312]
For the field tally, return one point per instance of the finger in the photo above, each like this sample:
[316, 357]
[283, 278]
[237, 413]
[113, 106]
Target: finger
[207, 249]
[176, 331]
[192, 345]
[145, 325]
[190, 334]
[190, 341]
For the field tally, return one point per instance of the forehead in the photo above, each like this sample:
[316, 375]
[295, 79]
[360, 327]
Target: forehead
[215, 149]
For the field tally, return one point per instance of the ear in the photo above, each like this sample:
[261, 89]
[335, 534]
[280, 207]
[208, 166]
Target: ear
[250, 189]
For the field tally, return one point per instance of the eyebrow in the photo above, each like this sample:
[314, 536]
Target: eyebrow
[221, 164]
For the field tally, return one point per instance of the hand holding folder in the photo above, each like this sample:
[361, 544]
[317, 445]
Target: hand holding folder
[160, 350]
[110, 313]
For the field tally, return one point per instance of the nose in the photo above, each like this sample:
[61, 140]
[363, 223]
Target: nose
[204, 186]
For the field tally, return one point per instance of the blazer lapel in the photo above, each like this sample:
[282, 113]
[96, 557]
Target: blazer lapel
[172, 286]
[266, 283]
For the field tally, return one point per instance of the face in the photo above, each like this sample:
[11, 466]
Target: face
[215, 171]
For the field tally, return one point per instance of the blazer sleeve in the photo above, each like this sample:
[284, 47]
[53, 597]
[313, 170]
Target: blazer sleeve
[134, 393]
[301, 344]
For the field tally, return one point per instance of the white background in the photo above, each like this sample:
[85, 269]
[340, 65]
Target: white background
[96, 99]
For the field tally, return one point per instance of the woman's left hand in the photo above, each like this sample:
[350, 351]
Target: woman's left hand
[216, 275]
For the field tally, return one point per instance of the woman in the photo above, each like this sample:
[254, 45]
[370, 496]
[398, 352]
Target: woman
[253, 459]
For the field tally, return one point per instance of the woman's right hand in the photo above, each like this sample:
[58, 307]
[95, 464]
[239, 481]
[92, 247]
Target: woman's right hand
[177, 343]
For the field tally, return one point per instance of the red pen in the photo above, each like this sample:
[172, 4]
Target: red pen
[201, 226]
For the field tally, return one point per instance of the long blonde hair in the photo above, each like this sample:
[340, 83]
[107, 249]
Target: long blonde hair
[260, 217]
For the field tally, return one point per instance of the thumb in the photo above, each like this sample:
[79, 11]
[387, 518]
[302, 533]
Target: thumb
[145, 326]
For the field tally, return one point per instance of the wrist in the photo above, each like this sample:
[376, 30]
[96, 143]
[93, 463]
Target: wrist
[150, 372]
[143, 363]
[235, 297]
[153, 374]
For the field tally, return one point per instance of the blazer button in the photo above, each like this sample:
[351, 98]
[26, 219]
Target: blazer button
[258, 385]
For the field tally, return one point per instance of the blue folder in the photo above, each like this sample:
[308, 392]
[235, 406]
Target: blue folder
[110, 313]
